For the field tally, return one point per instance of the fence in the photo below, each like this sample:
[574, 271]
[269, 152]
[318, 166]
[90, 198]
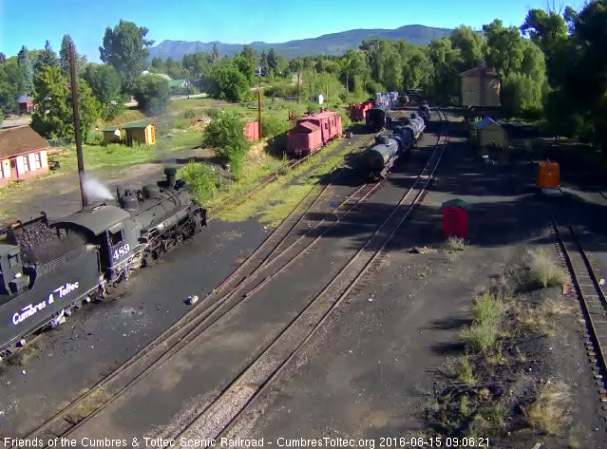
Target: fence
[60, 142]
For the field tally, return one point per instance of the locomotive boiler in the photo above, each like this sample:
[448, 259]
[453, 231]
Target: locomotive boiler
[48, 269]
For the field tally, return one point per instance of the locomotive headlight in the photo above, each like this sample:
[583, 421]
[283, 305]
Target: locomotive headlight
[17, 276]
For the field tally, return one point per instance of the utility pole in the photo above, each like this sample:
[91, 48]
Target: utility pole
[77, 135]
[259, 111]
[298, 86]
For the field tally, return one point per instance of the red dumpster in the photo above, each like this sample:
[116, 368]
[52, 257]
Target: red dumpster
[455, 218]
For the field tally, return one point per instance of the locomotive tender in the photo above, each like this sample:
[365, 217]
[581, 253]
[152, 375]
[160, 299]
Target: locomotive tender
[381, 157]
[47, 270]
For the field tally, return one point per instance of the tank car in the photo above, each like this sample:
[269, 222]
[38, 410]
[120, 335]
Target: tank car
[47, 269]
[380, 157]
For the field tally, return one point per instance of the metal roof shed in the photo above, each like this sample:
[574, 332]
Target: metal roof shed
[489, 131]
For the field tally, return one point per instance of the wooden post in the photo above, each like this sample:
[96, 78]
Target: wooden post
[298, 73]
[77, 135]
[259, 111]
[327, 97]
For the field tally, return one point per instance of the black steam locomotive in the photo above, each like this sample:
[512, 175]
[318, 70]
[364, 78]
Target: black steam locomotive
[46, 270]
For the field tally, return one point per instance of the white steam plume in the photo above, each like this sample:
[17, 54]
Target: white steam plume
[95, 190]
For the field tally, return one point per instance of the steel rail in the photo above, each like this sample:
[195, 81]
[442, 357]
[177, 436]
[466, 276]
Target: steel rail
[68, 418]
[258, 374]
[594, 312]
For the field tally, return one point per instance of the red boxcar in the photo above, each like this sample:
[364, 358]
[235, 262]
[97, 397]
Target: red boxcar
[251, 131]
[312, 132]
[358, 112]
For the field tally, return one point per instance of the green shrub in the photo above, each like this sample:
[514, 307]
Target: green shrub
[488, 310]
[189, 114]
[272, 126]
[94, 138]
[225, 135]
[200, 178]
[480, 337]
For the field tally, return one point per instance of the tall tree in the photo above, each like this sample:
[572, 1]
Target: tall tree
[103, 81]
[505, 46]
[47, 57]
[471, 46]
[214, 54]
[64, 55]
[126, 49]
[25, 65]
[272, 62]
[54, 115]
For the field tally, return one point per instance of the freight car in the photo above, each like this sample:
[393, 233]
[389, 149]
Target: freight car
[377, 118]
[312, 132]
[380, 157]
[47, 270]
[358, 112]
[425, 109]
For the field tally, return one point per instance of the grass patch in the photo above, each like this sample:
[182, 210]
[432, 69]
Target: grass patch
[543, 270]
[548, 412]
[538, 319]
[276, 201]
[461, 369]
[454, 244]
[488, 311]
[480, 337]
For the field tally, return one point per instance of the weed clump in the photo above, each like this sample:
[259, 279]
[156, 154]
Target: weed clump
[549, 410]
[488, 312]
[455, 244]
[543, 269]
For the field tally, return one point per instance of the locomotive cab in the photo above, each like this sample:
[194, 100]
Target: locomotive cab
[14, 280]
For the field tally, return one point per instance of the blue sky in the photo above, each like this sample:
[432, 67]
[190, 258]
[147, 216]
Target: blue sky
[31, 22]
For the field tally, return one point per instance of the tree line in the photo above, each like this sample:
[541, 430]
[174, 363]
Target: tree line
[553, 67]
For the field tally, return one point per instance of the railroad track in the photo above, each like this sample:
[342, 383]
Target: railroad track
[222, 412]
[255, 271]
[241, 197]
[273, 256]
[592, 300]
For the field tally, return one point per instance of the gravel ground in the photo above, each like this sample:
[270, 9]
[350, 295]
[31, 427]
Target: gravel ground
[373, 370]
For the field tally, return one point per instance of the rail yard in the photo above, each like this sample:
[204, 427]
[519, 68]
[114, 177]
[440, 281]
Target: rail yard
[367, 228]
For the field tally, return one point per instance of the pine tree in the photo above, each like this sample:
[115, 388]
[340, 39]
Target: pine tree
[64, 54]
[47, 57]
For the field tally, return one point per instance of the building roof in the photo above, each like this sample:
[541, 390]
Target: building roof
[487, 121]
[310, 127]
[110, 128]
[24, 99]
[96, 218]
[177, 83]
[20, 140]
[480, 71]
[137, 124]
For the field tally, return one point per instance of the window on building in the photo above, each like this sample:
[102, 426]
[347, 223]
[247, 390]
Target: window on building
[37, 163]
[26, 164]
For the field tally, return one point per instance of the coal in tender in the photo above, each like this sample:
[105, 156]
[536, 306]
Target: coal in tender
[41, 244]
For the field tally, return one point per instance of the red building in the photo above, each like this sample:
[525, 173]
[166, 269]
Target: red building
[25, 104]
[23, 154]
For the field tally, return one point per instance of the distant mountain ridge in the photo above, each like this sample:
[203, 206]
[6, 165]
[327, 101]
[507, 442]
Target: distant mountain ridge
[327, 44]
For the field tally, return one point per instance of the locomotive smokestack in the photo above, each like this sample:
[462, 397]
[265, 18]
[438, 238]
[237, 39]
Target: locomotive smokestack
[170, 173]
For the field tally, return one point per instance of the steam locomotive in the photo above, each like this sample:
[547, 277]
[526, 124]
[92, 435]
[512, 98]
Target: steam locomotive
[47, 270]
